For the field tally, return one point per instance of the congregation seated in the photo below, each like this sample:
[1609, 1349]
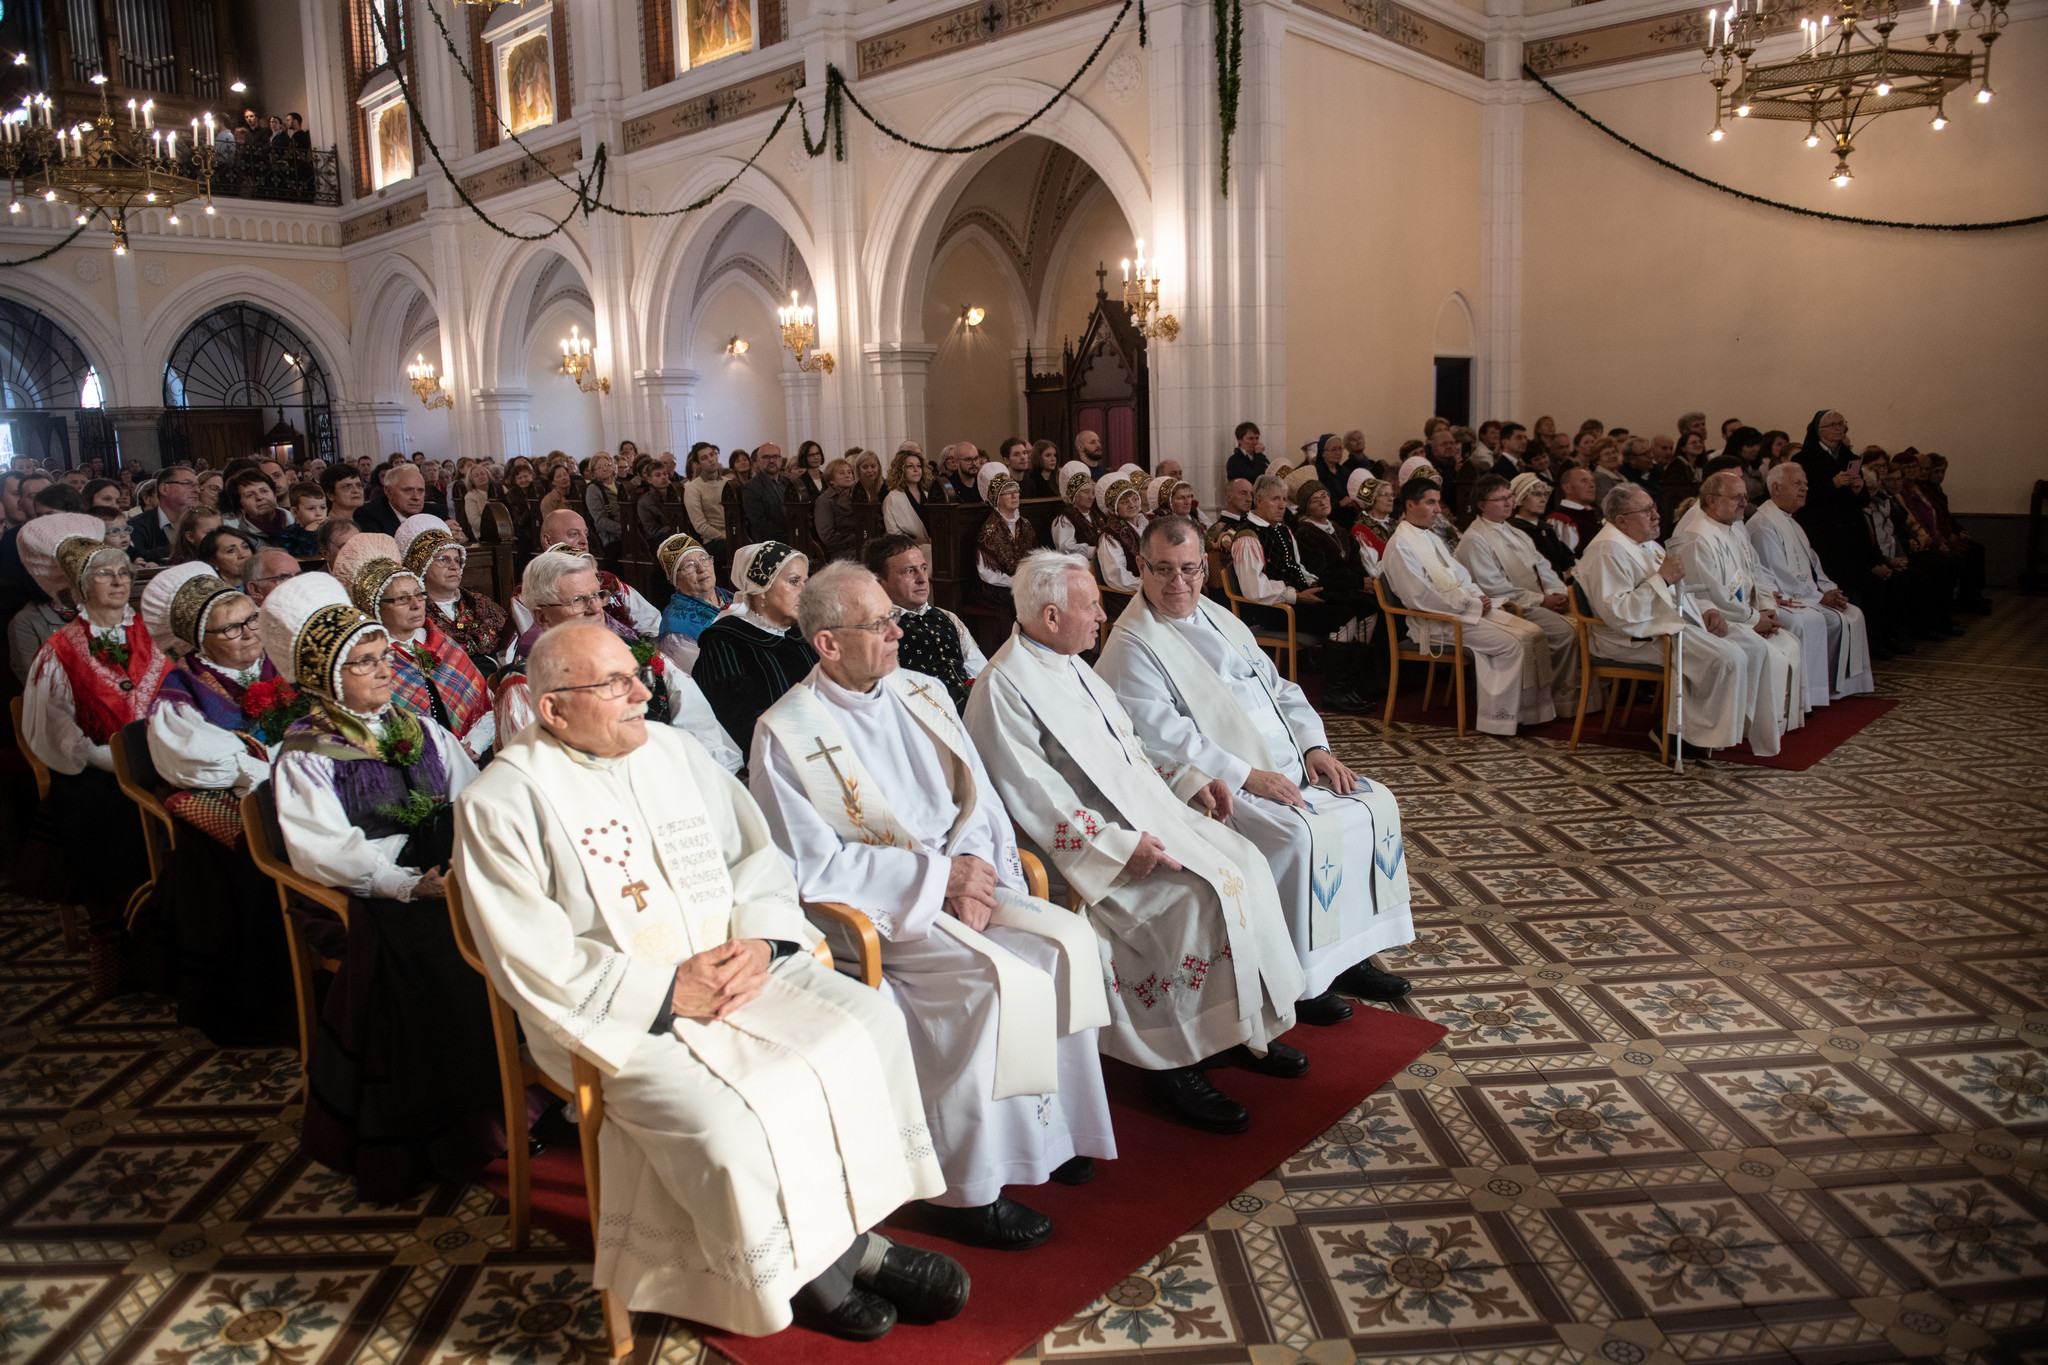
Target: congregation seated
[431, 675]
[213, 731]
[1186, 909]
[1005, 538]
[478, 625]
[1208, 705]
[564, 529]
[1507, 567]
[1377, 516]
[1576, 519]
[362, 787]
[870, 784]
[1530, 494]
[1831, 628]
[697, 599]
[1077, 526]
[566, 589]
[1511, 657]
[935, 642]
[903, 508]
[1116, 548]
[753, 652]
[762, 1113]
[834, 515]
[1232, 521]
[1270, 568]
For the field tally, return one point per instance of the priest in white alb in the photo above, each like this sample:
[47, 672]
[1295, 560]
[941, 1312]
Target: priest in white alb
[1828, 624]
[1632, 585]
[1506, 565]
[1721, 570]
[1510, 656]
[869, 782]
[1209, 705]
[761, 1110]
[1192, 939]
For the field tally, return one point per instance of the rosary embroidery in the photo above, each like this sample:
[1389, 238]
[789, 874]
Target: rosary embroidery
[635, 890]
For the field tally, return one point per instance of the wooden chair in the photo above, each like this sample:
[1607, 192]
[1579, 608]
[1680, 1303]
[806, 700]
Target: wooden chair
[516, 1071]
[1290, 642]
[861, 929]
[1391, 611]
[266, 849]
[1592, 670]
[135, 772]
[67, 914]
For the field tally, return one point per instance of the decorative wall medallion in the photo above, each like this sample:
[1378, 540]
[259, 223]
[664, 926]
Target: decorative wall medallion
[1121, 79]
[156, 272]
[327, 281]
[87, 268]
[881, 143]
[799, 159]
[643, 199]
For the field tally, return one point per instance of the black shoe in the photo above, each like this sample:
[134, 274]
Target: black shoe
[1323, 1010]
[925, 1286]
[1348, 701]
[1280, 1060]
[1368, 982]
[1004, 1225]
[860, 1316]
[1186, 1091]
[1075, 1171]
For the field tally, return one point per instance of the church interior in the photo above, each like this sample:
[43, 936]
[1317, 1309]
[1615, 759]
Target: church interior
[1715, 1024]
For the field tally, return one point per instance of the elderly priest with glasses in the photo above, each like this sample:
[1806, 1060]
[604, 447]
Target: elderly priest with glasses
[868, 779]
[1209, 705]
[762, 1111]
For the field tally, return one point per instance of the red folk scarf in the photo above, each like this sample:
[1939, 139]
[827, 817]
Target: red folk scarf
[105, 698]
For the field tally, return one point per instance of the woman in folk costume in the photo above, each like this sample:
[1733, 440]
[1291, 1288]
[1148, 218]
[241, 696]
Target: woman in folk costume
[97, 674]
[1077, 526]
[215, 728]
[478, 626]
[698, 598]
[1116, 554]
[1006, 537]
[403, 1071]
[1376, 519]
[754, 653]
[432, 675]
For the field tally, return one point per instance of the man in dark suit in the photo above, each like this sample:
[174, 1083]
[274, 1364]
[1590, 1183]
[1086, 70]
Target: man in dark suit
[1248, 461]
[767, 519]
[405, 495]
[177, 488]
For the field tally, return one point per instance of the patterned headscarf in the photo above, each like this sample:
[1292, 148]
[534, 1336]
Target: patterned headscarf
[754, 567]
[674, 550]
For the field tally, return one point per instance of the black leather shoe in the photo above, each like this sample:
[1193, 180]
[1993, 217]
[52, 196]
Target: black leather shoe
[1186, 1091]
[1280, 1060]
[1075, 1171]
[1004, 1225]
[1368, 982]
[861, 1316]
[1323, 1010]
[925, 1286]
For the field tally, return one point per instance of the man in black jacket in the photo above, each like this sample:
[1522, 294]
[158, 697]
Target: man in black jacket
[1248, 461]
[177, 488]
[405, 495]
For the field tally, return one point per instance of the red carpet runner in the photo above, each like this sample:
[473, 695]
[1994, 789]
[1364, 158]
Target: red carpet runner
[1166, 1179]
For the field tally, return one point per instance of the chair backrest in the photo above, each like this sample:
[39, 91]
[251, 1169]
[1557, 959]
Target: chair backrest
[134, 750]
[264, 838]
[1582, 604]
[35, 764]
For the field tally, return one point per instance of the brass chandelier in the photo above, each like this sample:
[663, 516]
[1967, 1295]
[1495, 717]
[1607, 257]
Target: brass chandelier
[1854, 63]
[104, 170]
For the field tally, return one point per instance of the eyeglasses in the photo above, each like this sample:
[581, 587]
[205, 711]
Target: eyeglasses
[274, 578]
[407, 599]
[1185, 573]
[364, 667]
[893, 618]
[618, 685]
[449, 559]
[177, 483]
[240, 630]
[109, 575]
[581, 603]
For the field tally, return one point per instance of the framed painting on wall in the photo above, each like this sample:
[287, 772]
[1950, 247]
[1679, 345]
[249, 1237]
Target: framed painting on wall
[390, 127]
[716, 28]
[526, 79]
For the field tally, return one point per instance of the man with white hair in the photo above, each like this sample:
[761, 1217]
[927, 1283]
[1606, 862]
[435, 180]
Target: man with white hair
[1506, 565]
[1631, 584]
[564, 589]
[1209, 705]
[1721, 569]
[1192, 934]
[761, 1112]
[563, 529]
[266, 569]
[405, 495]
[868, 781]
[1830, 627]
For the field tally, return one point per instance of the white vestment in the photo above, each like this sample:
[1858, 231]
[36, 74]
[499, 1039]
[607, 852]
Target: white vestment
[1510, 656]
[1837, 640]
[1721, 571]
[1196, 960]
[688, 711]
[1208, 704]
[739, 1157]
[1636, 606]
[975, 1005]
[1507, 566]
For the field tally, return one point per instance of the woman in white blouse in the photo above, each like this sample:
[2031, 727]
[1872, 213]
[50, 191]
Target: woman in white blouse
[902, 510]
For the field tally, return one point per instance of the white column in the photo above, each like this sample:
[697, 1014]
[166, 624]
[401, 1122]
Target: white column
[670, 398]
[326, 97]
[135, 433]
[501, 417]
[1499, 343]
[800, 406]
[848, 398]
[356, 432]
[390, 423]
[900, 372]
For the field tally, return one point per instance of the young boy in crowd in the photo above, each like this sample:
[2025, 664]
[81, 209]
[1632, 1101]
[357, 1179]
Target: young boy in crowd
[301, 539]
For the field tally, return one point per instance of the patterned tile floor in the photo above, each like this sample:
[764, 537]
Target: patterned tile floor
[1744, 1066]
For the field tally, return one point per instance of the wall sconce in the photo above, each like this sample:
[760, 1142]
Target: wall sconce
[799, 334]
[737, 346]
[1141, 298]
[973, 316]
[578, 365]
[433, 392]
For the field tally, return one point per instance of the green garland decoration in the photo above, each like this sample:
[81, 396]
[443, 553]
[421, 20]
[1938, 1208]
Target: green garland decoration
[45, 255]
[1229, 78]
[1773, 203]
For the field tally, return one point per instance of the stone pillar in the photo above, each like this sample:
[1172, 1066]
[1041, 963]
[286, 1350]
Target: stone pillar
[1499, 343]
[800, 399]
[670, 397]
[357, 431]
[501, 419]
[900, 371]
[390, 420]
[135, 434]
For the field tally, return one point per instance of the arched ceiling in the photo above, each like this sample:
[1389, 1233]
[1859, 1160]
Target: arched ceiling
[1023, 198]
[751, 244]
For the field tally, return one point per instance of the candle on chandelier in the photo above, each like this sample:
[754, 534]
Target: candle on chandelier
[172, 144]
[131, 113]
[149, 114]
[1710, 28]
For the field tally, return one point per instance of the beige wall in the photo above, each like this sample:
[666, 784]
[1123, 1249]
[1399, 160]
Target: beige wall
[1384, 207]
[1646, 295]
[971, 391]
[740, 396]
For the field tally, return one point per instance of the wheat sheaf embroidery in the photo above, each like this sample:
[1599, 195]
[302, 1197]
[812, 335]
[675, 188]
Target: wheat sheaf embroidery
[849, 796]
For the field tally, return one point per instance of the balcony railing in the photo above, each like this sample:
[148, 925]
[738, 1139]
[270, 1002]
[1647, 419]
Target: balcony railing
[290, 175]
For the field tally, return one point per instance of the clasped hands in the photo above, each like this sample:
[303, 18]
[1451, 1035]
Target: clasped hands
[719, 980]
